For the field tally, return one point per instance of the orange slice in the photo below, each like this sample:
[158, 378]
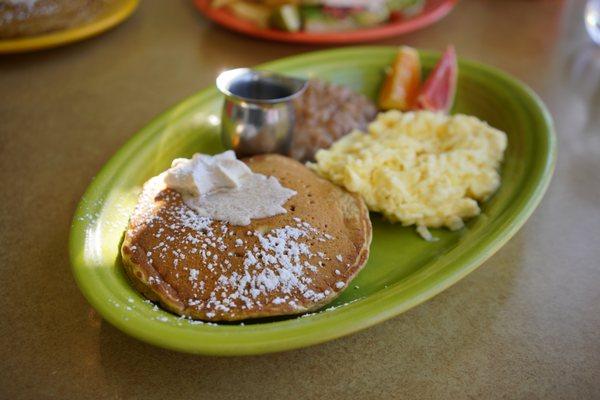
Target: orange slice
[401, 85]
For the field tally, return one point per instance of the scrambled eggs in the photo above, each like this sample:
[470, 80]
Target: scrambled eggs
[419, 168]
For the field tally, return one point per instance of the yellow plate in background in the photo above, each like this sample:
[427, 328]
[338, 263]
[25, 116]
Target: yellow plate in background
[115, 13]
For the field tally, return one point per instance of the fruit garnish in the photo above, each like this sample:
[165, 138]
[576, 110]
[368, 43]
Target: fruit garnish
[437, 93]
[401, 85]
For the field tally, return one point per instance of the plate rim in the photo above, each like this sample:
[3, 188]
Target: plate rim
[367, 312]
[70, 35]
[226, 20]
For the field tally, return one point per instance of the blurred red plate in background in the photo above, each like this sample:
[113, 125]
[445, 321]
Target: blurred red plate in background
[433, 11]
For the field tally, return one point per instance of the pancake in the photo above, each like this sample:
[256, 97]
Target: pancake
[35, 17]
[287, 264]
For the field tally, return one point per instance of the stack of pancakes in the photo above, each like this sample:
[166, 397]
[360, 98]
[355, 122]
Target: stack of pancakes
[287, 264]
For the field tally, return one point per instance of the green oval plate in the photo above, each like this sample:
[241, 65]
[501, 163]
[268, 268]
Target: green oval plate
[403, 269]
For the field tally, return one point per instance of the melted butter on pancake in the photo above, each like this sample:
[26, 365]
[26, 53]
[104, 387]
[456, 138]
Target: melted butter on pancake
[223, 188]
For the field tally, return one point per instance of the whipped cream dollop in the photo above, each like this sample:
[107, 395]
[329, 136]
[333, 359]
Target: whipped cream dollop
[222, 187]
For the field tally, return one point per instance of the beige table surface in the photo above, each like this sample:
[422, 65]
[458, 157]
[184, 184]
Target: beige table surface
[526, 325]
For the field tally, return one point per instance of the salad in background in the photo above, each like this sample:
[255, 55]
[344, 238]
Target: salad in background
[319, 16]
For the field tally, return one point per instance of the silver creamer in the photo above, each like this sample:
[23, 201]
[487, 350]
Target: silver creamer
[258, 113]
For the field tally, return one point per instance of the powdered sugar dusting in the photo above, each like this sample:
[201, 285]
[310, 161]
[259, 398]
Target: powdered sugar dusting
[276, 265]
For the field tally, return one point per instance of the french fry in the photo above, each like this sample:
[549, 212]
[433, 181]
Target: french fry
[257, 13]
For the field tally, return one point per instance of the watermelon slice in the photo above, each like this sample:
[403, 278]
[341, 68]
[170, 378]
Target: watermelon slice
[437, 93]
